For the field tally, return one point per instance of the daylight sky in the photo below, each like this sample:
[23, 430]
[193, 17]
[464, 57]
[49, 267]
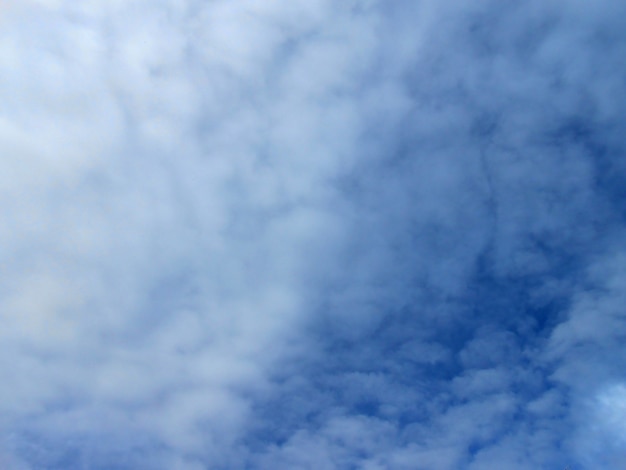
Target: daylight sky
[312, 234]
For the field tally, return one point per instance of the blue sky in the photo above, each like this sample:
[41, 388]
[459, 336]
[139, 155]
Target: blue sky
[306, 234]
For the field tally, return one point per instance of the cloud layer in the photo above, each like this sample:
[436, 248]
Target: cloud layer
[311, 234]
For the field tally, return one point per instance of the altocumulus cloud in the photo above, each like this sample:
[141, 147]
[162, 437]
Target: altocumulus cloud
[312, 234]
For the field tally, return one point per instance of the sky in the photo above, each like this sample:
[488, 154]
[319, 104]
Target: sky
[312, 234]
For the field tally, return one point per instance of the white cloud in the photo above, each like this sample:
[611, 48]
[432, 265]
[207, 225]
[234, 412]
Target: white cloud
[166, 193]
[392, 226]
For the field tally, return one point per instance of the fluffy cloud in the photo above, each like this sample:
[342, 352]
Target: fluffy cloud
[304, 234]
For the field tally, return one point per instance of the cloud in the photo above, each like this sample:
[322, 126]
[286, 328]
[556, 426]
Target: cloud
[310, 235]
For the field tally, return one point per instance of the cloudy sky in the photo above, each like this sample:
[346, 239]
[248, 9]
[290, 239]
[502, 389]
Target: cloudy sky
[312, 234]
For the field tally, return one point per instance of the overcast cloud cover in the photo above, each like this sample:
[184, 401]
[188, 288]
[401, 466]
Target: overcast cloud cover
[312, 234]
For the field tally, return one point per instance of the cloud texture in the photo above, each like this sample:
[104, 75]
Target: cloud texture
[312, 234]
